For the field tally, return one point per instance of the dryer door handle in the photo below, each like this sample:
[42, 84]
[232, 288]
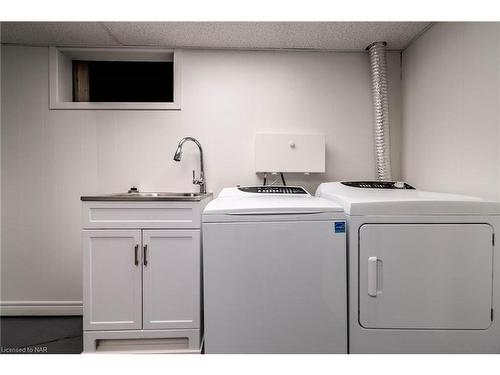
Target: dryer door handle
[373, 276]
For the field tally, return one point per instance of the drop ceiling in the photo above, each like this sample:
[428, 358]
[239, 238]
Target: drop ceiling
[239, 35]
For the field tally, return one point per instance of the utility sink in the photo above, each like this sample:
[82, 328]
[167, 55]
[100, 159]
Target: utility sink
[148, 196]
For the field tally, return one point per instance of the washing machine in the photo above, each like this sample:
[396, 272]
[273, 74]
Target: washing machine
[274, 272]
[423, 273]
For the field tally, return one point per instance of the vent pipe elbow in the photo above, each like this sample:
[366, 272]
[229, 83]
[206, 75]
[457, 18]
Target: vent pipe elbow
[378, 72]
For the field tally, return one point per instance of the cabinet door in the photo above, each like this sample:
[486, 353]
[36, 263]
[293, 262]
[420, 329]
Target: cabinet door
[112, 294]
[425, 276]
[171, 279]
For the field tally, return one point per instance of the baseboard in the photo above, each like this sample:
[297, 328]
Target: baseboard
[13, 308]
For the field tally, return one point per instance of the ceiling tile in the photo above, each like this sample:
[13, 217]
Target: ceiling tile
[56, 33]
[311, 35]
[244, 35]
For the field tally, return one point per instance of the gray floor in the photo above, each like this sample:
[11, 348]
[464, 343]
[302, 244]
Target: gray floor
[41, 334]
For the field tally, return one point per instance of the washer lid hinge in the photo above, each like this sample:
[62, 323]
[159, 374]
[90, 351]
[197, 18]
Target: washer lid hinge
[491, 314]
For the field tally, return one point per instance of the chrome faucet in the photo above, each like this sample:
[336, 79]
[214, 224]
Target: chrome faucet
[178, 155]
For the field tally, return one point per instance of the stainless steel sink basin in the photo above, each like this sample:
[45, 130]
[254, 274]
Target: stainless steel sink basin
[161, 194]
[147, 196]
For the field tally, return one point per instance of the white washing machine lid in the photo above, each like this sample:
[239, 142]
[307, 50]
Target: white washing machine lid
[237, 205]
[369, 201]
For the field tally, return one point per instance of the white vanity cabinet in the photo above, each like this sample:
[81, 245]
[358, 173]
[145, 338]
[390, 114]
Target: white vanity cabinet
[142, 276]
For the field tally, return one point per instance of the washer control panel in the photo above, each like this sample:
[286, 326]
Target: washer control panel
[273, 189]
[378, 184]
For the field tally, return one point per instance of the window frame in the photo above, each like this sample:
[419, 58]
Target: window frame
[61, 77]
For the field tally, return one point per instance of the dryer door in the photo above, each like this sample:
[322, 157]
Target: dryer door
[425, 276]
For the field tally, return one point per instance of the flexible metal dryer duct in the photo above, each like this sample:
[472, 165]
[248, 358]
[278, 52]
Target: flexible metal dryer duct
[378, 70]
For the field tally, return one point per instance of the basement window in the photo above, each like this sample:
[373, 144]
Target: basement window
[119, 78]
[123, 81]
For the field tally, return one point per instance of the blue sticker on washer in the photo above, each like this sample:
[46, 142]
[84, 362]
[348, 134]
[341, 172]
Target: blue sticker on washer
[340, 227]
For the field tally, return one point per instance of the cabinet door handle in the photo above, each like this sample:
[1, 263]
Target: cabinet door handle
[145, 255]
[136, 255]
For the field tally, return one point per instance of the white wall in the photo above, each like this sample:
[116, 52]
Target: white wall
[0, 166]
[451, 123]
[50, 158]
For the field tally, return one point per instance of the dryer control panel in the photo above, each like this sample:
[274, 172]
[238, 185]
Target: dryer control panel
[378, 184]
[273, 189]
